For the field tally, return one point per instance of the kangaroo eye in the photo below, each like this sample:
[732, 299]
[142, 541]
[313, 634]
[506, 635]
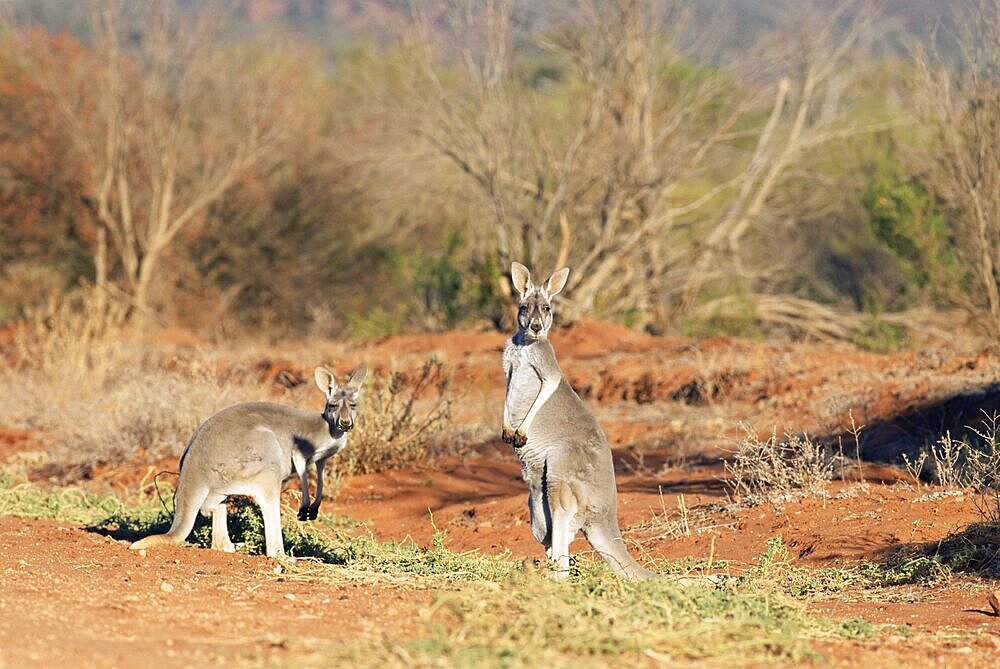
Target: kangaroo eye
[546, 308]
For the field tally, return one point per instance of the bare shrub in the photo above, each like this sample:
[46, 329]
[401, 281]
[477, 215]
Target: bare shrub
[970, 464]
[101, 397]
[958, 101]
[946, 459]
[775, 470]
[983, 465]
[915, 467]
[399, 420]
[136, 108]
[72, 336]
[135, 408]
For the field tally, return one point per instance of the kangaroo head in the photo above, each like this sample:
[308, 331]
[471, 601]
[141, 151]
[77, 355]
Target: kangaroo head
[534, 313]
[341, 401]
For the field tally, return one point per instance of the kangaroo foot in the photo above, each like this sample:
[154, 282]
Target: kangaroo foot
[507, 434]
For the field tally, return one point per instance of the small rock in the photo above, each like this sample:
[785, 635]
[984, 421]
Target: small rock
[994, 601]
[278, 569]
[166, 587]
[142, 552]
[290, 597]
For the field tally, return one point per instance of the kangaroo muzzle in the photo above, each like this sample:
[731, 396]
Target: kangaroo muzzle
[344, 420]
[339, 419]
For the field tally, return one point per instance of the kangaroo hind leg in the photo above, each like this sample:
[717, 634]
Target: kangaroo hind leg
[215, 506]
[563, 507]
[268, 498]
[538, 507]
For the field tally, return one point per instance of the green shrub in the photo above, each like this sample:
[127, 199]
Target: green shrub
[908, 224]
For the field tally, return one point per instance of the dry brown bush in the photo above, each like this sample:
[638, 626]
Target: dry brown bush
[102, 395]
[958, 101]
[400, 417]
[968, 464]
[776, 470]
[71, 336]
[135, 108]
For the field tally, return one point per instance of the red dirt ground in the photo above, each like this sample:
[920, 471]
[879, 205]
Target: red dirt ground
[100, 605]
[78, 599]
[72, 597]
[481, 505]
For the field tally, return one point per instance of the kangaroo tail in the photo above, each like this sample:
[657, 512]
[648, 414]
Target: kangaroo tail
[609, 543]
[150, 541]
[187, 503]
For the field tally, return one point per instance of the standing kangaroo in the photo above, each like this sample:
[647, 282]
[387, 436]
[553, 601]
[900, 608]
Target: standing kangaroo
[251, 449]
[565, 457]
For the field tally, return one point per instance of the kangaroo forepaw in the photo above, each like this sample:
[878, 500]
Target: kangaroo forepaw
[519, 439]
[313, 512]
[304, 514]
[507, 434]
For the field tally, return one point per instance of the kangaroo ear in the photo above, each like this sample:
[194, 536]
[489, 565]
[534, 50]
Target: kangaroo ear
[521, 277]
[358, 377]
[325, 380]
[557, 281]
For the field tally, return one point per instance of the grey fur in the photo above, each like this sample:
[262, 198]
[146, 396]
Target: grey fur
[565, 456]
[251, 449]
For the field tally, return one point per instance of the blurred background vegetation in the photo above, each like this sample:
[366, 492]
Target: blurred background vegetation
[294, 168]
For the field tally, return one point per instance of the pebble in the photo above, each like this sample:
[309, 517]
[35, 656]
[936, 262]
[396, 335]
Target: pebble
[166, 587]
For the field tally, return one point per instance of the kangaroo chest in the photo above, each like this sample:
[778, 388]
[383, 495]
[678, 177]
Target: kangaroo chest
[314, 451]
[524, 384]
[331, 447]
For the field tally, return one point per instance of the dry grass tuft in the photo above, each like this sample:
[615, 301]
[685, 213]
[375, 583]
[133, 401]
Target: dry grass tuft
[101, 396]
[400, 418]
[72, 336]
[135, 407]
[776, 470]
[967, 464]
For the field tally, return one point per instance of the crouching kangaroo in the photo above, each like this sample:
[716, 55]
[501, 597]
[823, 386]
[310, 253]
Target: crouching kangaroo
[565, 457]
[251, 449]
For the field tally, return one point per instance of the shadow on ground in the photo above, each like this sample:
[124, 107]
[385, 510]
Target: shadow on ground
[974, 549]
[908, 432]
